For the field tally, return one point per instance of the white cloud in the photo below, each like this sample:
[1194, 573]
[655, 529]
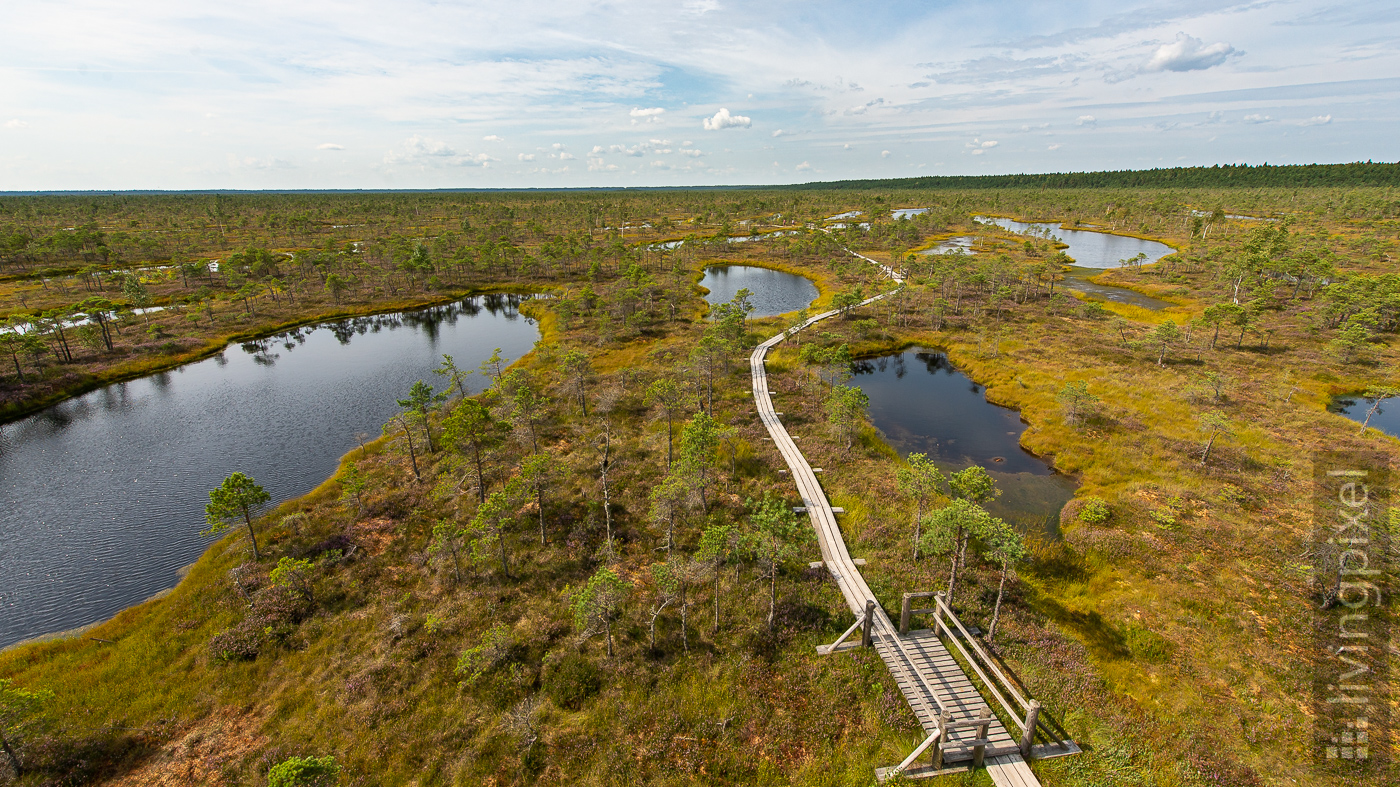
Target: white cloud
[723, 120]
[526, 156]
[558, 146]
[979, 147]
[1316, 120]
[1257, 118]
[1055, 146]
[1086, 120]
[1188, 54]
[565, 156]
[329, 146]
[432, 152]
[271, 162]
[596, 164]
[804, 167]
[582, 72]
[884, 154]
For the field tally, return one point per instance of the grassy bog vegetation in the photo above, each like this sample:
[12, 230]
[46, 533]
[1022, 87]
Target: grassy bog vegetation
[573, 576]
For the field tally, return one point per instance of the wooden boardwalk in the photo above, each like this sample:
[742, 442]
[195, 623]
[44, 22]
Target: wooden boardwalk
[932, 681]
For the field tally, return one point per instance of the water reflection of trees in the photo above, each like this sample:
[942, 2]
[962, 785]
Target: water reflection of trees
[429, 320]
[936, 362]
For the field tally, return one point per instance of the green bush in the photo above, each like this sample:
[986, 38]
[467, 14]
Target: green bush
[1164, 517]
[304, 772]
[570, 680]
[1094, 511]
[1146, 645]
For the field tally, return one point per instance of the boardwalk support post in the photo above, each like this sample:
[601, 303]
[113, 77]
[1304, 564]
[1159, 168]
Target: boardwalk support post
[944, 719]
[904, 614]
[823, 650]
[1028, 737]
[865, 639]
[938, 613]
[979, 752]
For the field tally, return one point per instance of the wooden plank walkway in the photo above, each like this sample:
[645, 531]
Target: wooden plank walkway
[931, 680]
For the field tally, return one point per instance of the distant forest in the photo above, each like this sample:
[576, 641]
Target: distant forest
[1230, 175]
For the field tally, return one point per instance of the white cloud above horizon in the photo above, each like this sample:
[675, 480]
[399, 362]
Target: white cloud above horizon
[723, 120]
[156, 95]
[1188, 54]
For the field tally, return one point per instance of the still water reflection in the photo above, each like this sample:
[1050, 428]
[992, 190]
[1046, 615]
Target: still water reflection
[102, 497]
[774, 292]
[923, 404]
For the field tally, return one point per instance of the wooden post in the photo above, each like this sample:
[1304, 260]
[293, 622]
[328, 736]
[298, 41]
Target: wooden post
[904, 615]
[979, 752]
[865, 639]
[944, 719]
[938, 613]
[1028, 737]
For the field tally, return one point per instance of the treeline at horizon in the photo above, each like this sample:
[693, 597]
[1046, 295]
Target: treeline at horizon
[1360, 173]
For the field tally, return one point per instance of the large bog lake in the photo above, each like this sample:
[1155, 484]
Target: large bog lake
[102, 497]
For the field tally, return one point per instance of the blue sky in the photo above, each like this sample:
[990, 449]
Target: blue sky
[351, 94]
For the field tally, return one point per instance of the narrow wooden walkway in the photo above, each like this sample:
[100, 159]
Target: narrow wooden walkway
[927, 674]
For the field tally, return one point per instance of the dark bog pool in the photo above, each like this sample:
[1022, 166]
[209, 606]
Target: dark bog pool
[923, 404]
[103, 495]
[1386, 419]
[774, 292]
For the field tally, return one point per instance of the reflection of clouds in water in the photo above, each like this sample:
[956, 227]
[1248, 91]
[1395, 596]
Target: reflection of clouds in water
[773, 292]
[926, 405]
[958, 245]
[147, 448]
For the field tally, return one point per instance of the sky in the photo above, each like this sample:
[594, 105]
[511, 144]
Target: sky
[266, 94]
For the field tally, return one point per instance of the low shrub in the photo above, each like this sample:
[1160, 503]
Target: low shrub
[570, 680]
[1094, 511]
[304, 772]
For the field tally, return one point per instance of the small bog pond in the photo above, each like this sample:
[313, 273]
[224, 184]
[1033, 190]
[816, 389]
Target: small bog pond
[774, 292]
[103, 495]
[1386, 419]
[923, 404]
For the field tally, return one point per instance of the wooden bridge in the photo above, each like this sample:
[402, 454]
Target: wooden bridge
[959, 725]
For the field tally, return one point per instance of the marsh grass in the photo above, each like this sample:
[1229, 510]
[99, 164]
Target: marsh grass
[1168, 652]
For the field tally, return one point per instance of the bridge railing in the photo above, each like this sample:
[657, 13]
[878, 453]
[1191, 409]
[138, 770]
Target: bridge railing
[1024, 712]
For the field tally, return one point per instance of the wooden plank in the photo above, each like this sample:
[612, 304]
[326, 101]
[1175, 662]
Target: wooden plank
[927, 674]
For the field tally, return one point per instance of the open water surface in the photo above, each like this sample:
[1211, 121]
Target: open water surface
[102, 497]
[1386, 419]
[923, 404]
[1093, 252]
[774, 292]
